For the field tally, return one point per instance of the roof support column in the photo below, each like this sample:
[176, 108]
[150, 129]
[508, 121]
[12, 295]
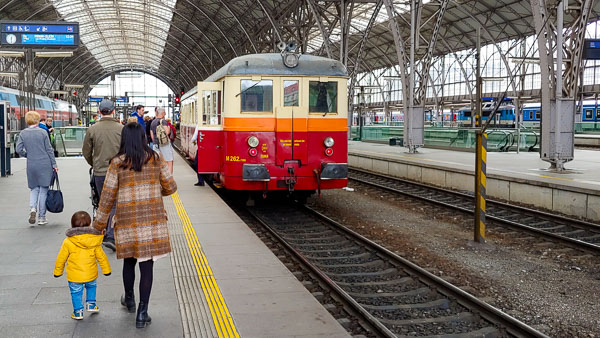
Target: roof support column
[558, 88]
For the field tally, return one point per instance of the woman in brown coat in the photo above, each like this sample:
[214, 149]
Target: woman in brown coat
[137, 179]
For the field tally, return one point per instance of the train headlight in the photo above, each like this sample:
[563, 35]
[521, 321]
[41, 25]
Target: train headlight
[328, 142]
[253, 141]
[329, 151]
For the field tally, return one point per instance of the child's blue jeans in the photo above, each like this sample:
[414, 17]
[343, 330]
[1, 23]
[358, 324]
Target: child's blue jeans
[77, 293]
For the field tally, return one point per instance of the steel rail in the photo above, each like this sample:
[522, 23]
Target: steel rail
[578, 244]
[485, 310]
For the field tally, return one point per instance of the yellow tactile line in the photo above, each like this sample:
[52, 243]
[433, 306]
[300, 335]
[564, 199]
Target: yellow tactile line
[220, 314]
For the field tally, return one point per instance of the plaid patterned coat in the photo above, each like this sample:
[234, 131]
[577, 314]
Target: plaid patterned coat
[140, 221]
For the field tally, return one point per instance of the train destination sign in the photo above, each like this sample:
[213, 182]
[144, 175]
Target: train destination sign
[39, 34]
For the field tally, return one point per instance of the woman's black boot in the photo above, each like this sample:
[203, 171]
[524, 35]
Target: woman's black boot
[128, 300]
[142, 319]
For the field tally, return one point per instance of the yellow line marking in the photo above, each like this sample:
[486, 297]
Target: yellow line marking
[218, 309]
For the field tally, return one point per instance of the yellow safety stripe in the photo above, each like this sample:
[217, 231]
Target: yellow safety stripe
[218, 309]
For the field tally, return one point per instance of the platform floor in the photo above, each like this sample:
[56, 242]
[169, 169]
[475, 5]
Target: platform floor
[220, 279]
[582, 171]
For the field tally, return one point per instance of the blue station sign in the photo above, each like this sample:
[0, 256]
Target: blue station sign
[39, 34]
[92, 99]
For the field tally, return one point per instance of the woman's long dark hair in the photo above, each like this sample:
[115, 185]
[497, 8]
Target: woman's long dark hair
[135, 147]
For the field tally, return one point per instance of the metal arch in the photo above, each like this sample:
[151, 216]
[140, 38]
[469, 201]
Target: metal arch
[462, 68]
[365, 37]
[317, 16]
[214, 24]
[158, 76]
[426, 62]
[171, 24]
[224, 3]
[399, 44]
[262, 6]
[86, 70]
[164, 31]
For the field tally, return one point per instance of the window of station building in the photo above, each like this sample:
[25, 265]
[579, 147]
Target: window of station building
[257, 96]
[589, 114]
[290, 93]
[322, 97]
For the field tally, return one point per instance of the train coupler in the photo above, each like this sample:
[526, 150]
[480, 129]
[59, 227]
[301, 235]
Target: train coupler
[290, 181]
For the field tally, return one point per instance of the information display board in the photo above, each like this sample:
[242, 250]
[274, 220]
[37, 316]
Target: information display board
[591, 49]
[31, 34]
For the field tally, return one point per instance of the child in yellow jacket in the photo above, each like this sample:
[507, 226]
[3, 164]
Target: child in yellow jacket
[80, 251]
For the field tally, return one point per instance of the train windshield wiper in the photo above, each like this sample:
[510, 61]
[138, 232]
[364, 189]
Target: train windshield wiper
[245, 90]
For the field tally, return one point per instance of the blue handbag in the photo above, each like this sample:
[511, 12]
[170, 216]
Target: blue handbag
[54, 200]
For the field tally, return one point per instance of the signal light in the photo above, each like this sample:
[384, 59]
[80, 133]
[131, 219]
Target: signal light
[253, 152]
[329, 151]
[182, 91]
[177, 99]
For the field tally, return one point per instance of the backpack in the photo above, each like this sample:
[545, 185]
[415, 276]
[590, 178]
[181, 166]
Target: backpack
[161, 134]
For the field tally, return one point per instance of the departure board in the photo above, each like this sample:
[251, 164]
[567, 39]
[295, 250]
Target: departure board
[30, 34]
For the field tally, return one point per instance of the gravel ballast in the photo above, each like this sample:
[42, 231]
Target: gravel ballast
[548, 286]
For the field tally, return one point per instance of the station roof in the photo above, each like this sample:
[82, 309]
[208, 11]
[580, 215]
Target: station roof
[183, 41]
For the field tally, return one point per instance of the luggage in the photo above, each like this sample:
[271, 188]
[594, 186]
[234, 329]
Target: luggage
[161, 134]
[54, 200]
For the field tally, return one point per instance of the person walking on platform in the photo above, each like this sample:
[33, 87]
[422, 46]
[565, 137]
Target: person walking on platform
[139, 114]
[159, 132]
[34, 143]
[137, 179]
[148, 121]
[80, 251]
[200, 182]
[100, 145]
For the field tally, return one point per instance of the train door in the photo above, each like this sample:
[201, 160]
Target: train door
[291, 124]
[210, 130]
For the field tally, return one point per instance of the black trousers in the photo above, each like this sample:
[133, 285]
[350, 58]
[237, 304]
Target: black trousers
[99, 181]
[200, 178]
[146, 277]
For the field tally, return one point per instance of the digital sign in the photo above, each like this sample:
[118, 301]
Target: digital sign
[39, 34]
[591, 49]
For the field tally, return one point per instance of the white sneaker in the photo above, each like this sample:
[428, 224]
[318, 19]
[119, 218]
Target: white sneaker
[42, 221]
[32, 214]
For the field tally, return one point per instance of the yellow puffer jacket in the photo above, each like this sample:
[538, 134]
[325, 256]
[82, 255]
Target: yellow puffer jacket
[80, 251]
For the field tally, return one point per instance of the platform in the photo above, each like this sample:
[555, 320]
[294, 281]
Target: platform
[518, 178]
[220, 279]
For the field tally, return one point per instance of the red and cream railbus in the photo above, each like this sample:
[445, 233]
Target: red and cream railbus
[264, 126]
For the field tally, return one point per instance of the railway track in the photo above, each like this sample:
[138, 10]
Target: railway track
[394, 296]
[574, 233]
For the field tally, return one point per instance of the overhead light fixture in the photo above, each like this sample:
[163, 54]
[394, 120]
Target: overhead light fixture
[492, 78]
[9, 74]
[59, 92]
[525, 60]
[101, 85]
[12, 54]
[52, 54]
[76, 86]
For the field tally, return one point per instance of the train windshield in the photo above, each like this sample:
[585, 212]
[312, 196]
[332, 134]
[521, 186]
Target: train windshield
[257, 96]
[322, 97]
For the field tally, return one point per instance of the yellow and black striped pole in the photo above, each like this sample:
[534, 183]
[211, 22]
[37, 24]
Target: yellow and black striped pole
[480, 183]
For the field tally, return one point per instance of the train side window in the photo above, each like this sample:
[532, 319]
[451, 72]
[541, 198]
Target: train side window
[290, 93]
[597, 114]
[322, 97]
[257, 96]
[589, 114]
[538, 115]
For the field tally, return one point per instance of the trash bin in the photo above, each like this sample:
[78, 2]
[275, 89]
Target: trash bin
[396, 141]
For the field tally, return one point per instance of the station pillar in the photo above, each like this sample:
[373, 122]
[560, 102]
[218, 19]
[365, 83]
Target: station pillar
[4, 140]
[414, 128]
[557, 133]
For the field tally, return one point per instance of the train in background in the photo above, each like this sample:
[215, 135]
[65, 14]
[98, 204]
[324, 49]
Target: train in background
[263, 125]
[61, 112]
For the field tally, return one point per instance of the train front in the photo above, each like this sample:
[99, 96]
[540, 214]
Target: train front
[285, 128]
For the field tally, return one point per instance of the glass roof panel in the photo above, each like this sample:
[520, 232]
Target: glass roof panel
[113, 37]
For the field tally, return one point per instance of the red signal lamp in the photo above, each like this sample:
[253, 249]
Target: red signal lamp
[329, 151]
[252, 152]
[177, 99]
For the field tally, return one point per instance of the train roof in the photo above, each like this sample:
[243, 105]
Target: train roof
[272, 64]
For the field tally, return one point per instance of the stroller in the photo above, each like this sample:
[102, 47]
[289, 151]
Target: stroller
[95, 195]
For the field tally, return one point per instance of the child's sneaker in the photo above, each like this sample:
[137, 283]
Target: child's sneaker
[92, 307]
[77, 315]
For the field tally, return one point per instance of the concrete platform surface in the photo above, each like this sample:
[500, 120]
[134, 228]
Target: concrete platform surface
[516, 178]
[261, 297]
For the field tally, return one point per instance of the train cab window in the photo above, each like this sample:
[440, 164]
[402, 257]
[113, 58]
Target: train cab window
[538, 115]
[589, 114]
[290, 93]
[322, 97]
[257, 96]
